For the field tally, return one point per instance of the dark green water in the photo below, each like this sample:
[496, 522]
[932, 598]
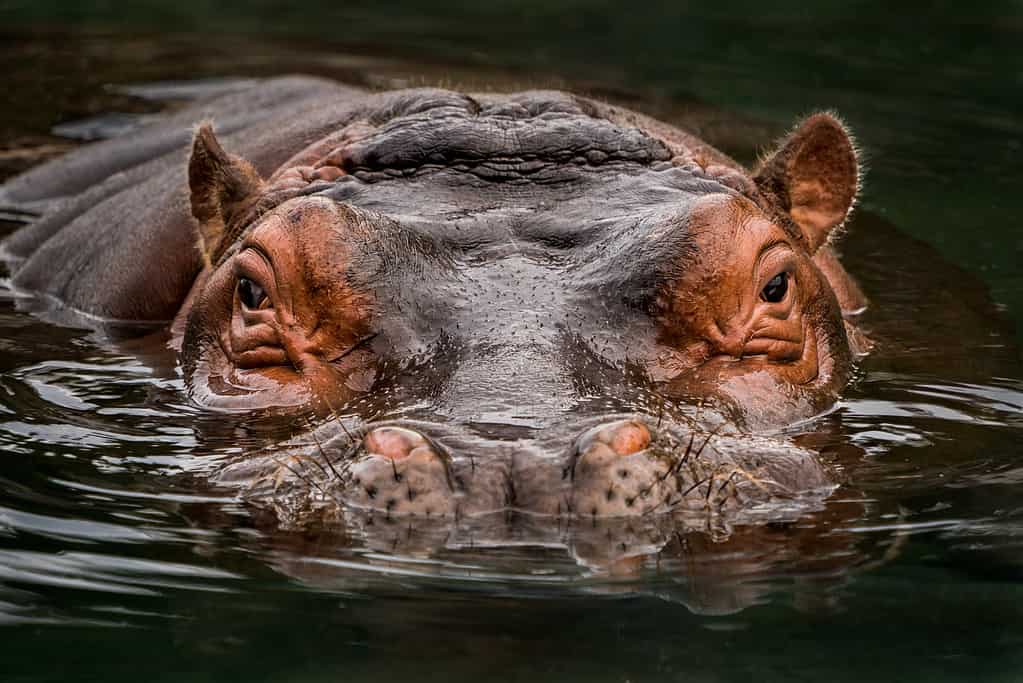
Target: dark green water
[114, 566]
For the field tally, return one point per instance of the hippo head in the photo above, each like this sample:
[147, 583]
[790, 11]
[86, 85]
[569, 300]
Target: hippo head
[529, 301]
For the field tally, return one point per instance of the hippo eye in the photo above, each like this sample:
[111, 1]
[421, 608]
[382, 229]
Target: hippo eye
[775, 290]
[250, 294]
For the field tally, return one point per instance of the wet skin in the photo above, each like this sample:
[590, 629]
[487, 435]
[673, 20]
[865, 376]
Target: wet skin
[528, 302]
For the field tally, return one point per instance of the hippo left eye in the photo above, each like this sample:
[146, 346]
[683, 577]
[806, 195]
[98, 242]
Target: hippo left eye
[774, 291]
[251, 295]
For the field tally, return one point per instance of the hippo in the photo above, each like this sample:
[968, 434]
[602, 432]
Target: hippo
[468, 304]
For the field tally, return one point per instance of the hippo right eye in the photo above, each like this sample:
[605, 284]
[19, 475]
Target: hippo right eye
[775, 290]
[251, 295]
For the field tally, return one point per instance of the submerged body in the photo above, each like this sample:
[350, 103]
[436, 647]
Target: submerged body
[530, 302]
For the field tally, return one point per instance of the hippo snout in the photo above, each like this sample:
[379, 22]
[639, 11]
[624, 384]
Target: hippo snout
[623, 466]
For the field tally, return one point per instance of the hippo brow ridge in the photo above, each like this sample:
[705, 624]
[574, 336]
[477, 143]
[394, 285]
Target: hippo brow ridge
[498, 150]
[533, 137]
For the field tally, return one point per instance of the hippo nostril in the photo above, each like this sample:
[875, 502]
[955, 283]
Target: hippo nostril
[395, 443]
[631, 437]
[401, 473]
[423, 451]
[615, 471]
[624, 437]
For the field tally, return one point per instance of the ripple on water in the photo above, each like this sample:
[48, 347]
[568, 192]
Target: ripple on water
[129, 497]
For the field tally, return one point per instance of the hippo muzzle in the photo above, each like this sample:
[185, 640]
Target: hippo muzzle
[619, 466]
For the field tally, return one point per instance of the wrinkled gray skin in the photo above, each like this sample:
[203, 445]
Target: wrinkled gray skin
[513, 265]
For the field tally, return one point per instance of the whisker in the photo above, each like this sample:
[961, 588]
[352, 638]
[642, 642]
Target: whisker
[308, 482]
[337, 418]
[697, 484]
[319, 447]
[689, 449]
[347, 460]
[710, 487]
[706, 441]
[308, 458]
[734, 489]
[728, 481]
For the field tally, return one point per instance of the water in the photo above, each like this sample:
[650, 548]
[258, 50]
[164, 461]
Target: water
[118, 562]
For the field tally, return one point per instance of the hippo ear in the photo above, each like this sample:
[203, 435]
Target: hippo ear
[222, 186]
[813, 176]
